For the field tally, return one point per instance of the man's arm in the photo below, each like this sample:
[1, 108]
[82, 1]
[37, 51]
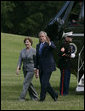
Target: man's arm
[68, 53]
[52, 45]
[36, 64]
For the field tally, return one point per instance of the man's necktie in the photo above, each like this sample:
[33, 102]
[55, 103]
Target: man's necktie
[40, 49]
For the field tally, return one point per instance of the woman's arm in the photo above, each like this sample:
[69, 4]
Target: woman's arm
[17, 70]
[19, 64]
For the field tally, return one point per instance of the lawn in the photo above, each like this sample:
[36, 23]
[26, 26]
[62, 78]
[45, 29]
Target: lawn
[11, 84]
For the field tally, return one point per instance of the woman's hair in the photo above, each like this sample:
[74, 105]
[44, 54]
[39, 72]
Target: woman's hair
[28, 38]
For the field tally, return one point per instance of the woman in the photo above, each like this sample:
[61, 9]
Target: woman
[27, 57]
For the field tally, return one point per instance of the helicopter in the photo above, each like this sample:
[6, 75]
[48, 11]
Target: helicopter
[66, 22]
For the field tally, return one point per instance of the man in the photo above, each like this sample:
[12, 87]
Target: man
[65, 65]
[45, 64]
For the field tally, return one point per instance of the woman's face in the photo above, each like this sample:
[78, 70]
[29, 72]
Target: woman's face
[28, 44]
[42, 37]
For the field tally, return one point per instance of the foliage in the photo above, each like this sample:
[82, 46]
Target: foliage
[27, 17]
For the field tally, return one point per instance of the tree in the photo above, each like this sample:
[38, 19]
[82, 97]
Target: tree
[6, 10]
[27, 17]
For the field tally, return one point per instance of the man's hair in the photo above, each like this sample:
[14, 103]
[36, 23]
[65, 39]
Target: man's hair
[28, 38]
[42, 32]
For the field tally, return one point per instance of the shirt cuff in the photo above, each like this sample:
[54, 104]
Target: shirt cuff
[50, 44]
[35, 68]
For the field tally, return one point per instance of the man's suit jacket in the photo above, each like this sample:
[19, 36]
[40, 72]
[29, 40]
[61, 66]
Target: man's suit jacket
[45, 61]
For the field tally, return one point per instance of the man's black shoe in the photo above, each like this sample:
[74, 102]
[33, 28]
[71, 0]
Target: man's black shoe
[56, 98]
[41, 100]
[35, 99]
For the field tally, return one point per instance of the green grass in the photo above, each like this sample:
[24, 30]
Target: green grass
[11, 84]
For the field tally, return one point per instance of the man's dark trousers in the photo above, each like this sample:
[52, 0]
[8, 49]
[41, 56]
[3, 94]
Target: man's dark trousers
[64, 82]
[45, 85]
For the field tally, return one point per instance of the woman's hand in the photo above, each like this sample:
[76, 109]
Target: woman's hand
[17, 71]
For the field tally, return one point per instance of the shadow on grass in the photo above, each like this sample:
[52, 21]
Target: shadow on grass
[13, 92]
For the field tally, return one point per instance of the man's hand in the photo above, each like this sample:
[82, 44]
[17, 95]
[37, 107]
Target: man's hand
[36, 71]
[48, 40]
[62, 49]
[64, 54]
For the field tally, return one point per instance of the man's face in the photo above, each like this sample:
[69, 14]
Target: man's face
[42, 37]
[69, 39]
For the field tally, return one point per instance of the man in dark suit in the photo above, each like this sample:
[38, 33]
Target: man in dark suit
[45, 64]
